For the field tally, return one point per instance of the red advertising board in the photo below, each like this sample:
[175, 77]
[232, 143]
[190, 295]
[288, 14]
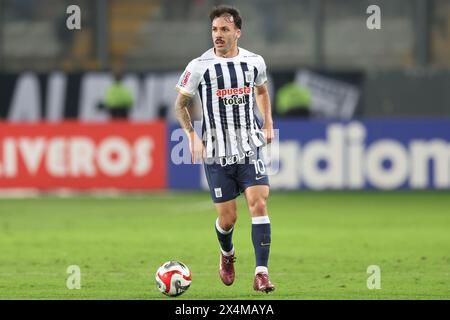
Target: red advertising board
[83, 156]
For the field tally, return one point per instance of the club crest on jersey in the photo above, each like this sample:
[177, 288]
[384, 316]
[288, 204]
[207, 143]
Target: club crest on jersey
[218, 192]
[249, 76]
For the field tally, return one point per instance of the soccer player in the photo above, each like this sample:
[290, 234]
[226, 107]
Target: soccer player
[229, 80]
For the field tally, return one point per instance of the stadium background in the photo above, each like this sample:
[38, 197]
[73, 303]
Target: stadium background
[372, 115]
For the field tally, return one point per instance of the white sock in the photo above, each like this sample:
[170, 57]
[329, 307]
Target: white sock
[260, 220]
[261, 269]
[227, 254]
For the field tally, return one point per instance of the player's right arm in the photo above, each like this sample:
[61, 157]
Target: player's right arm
[263, 100]
[186, 87]
[183, 104]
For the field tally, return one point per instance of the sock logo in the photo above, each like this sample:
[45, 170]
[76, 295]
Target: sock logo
[265, 240]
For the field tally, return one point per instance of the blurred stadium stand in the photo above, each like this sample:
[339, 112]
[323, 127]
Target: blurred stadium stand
[156, 34]
[143, 36]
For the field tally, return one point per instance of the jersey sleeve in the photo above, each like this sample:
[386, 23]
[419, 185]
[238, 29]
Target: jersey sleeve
[261, 78]
[189, 80]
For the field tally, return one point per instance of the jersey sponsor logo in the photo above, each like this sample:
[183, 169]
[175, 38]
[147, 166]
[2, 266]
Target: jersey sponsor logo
[234, 96]
[237, 158]
[233, 91]
[234, 100]
[186, 77]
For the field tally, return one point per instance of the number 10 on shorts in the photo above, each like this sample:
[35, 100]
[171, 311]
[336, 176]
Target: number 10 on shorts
[259, 166]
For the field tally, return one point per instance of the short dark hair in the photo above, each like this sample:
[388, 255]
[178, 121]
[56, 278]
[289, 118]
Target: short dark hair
[224, 10]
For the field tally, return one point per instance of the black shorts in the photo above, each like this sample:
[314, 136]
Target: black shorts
[228, 178]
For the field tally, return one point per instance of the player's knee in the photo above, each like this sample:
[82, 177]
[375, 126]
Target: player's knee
[258, 206]
[229, 222]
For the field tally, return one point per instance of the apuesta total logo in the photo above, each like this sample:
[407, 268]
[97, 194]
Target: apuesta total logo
[234, 96]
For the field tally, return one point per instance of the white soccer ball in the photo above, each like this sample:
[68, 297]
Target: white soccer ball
[173, 278]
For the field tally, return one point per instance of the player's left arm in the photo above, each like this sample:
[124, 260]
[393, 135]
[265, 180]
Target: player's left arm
[263, 101]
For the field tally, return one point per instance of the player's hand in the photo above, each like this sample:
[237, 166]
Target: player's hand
[198, 152]
[268, 131]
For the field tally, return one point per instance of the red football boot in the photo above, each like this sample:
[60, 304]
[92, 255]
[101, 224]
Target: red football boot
[262, 283]
[226, 269]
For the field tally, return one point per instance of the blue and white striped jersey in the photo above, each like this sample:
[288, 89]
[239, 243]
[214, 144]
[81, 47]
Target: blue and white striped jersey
[225, 86]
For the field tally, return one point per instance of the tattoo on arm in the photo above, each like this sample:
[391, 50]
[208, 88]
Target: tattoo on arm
[182, 106]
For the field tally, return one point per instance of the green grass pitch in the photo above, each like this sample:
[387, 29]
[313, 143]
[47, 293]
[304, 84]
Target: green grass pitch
[322, 244]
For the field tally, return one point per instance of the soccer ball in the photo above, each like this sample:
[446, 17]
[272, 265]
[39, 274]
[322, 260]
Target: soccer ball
[173, 278]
